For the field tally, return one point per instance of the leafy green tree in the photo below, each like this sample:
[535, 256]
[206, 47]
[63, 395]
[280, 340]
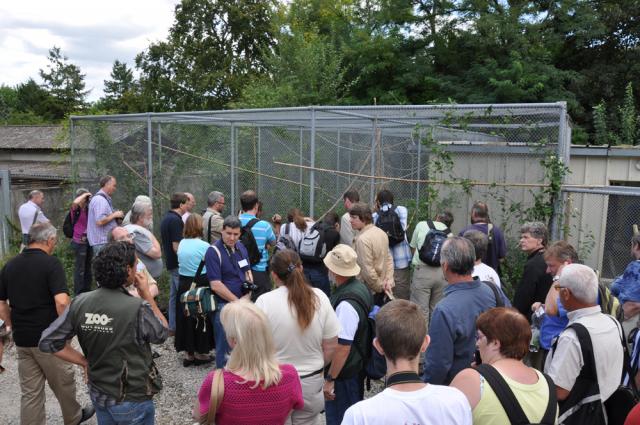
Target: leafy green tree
[628, 118]
[121, 91]
[214, 48]
[65, 83]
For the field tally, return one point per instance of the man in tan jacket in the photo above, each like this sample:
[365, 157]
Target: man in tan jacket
[372, 246]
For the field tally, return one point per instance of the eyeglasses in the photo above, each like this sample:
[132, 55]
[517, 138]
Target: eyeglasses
[558, 287]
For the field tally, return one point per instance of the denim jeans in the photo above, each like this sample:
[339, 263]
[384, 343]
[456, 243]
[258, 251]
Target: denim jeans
[222, 345]
[82, 268]
[127, 412]
[318, 277]
[174, 284]
[348, 392]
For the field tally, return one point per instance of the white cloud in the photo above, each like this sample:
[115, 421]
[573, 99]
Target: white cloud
[91, 34]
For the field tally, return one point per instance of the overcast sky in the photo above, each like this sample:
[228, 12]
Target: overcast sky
[92, 34]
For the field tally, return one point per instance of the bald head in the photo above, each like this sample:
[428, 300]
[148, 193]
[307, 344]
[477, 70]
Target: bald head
[121, 234]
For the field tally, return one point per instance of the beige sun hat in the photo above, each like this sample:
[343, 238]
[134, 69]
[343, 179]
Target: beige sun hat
[342, 261]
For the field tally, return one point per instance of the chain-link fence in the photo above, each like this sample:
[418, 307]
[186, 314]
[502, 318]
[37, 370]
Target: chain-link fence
[430, 157]
[601, 222]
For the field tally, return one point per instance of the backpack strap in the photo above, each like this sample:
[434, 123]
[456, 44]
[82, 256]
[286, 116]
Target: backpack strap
[496, 293]
[251, 223]
[588, 359]
[505, 396]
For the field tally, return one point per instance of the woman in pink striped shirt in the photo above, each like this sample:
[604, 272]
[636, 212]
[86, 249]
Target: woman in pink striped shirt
[256, 389]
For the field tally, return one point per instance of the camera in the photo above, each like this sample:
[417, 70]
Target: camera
[248, 287]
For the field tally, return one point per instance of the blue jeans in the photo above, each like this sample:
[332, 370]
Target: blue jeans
[82, 267]
[348, 392]
[222, 345]
[174, 284]
[318, 277]
[127, 412]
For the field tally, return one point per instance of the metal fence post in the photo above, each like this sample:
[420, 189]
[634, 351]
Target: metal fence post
[419, 169]
[300, 170]
[312, 174]
[259, 188]
[563, 152]
[160, 147]
[72, 136]
[233, 169]
[338, 162]
[373, 164]
[5, 211]
[149, 158]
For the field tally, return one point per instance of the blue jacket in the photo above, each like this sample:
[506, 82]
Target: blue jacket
[627, 286]
[453, 329]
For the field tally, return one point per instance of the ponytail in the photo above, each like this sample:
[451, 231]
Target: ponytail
[287, 266]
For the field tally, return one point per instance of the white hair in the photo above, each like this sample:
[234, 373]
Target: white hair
[582, 281]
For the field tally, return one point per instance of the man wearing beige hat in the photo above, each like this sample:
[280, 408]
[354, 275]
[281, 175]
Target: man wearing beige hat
[344, 384]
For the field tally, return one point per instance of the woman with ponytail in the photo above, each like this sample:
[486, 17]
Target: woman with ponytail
[305, 330]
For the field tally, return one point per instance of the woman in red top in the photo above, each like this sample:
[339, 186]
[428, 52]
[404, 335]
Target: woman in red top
[256, 389]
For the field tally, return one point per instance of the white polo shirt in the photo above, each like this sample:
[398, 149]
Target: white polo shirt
[27, 212]
[564, 365]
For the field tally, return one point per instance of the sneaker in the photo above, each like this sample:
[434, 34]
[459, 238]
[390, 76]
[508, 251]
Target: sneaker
[87, 413]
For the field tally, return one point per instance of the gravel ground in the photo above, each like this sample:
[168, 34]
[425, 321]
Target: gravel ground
[173, 404]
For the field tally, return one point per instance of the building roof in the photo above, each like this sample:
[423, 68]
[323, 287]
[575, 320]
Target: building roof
[32, 137]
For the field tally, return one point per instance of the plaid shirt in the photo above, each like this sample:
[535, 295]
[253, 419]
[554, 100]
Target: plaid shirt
[401, 252]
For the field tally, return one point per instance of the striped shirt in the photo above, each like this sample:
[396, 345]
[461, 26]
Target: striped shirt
[401, 252]
[99, 207]
[263, 233]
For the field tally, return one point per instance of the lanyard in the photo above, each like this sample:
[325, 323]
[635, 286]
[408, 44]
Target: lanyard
[403, 378]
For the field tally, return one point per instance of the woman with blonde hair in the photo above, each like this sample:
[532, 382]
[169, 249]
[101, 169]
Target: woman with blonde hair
[305, 330]
[252, 388]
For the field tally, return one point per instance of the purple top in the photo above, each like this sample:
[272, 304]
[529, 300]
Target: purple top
[496, 250]
[99, 207]
[230, 269]
[80, 226]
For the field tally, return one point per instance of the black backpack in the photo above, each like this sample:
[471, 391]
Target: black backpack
[249, 242]
[374, 363]
[389, 221]
[583, 405]
[69, 222]
[312, 248]
[509, 402]
[429, 252]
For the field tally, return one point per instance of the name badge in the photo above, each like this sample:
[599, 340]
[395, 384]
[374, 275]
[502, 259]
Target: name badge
[243, 263]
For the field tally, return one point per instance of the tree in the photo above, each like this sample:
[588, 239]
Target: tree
[214, 49]
[122, 91]
[65, 82]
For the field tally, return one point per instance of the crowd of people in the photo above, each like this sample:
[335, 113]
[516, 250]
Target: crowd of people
[294, 310]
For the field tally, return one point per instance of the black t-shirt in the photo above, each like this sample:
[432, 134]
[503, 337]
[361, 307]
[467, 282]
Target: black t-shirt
[30, 281]
[171, 231]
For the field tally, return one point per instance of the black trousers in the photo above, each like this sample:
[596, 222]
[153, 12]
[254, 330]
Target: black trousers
[263, 282]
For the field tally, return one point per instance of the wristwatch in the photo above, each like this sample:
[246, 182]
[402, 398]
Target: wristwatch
[329, 378]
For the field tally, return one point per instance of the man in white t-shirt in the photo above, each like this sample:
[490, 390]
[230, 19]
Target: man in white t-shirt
[31, 213]
[401, 336]
[480, 242]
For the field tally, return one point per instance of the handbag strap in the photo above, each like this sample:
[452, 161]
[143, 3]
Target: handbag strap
[199, 272]
[217, 392]
[209, 229]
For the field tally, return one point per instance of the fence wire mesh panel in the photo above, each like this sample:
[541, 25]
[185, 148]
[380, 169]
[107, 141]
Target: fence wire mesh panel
[430, 157]
[601, 225]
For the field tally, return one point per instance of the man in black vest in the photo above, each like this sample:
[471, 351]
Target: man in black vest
[344, 381]
[121, 373]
